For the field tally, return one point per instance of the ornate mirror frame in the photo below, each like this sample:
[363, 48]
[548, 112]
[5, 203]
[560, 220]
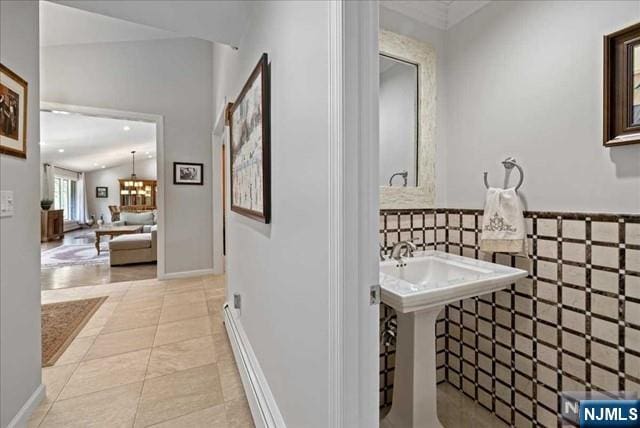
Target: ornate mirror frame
[424, 55]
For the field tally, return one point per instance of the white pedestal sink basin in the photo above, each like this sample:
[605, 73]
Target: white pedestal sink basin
[418, 291]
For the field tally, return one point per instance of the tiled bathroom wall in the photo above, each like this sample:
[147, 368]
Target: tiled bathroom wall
[572, 325]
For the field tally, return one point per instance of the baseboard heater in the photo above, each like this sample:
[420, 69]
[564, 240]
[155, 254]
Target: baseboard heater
[263, 407]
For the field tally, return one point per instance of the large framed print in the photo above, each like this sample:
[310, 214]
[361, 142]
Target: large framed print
[13, 113]
[249, 129]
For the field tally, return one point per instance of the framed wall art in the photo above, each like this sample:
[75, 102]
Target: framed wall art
[102, 192]
[250, 154]
[13, 113]
[622, 87]
[187, 173]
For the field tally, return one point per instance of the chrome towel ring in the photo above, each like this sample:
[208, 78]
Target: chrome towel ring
[508, 163]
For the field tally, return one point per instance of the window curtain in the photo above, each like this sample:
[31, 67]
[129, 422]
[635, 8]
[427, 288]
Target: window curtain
[49, 181]
[81, 206]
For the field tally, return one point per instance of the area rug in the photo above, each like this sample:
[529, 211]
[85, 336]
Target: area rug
[69, 255]
[61, 323]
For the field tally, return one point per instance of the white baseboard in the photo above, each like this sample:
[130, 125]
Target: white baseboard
[186, 274]
[21, 418]
[263, 406]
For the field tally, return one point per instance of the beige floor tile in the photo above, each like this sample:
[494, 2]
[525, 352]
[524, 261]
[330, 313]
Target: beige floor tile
[105, 373]
[238, 414]
[177, 356]
[457, 410]
[141, 303]
[121, 342]
[87, 332]
[214, 304]
[128, 320]
[173, 313]
[112, 408]
[54, 379]
[222, 347]
[178, 394]
[185, 287]
[217, 324]
[230, 380]
[184, 298]
[76, 350]
[182, 330]
[213, 417]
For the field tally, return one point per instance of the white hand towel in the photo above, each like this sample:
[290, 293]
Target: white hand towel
[503, 227]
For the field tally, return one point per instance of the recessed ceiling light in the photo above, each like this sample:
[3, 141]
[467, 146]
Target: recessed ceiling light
[127, 128]
[104, 166]
[61, 150]
[59, 112]
[95, 164]
[149, 156]
[146, 153]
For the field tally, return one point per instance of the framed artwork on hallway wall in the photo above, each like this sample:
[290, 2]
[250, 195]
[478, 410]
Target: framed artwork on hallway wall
[249, 129]
[187, 173]
[13, 113]
[102, 192]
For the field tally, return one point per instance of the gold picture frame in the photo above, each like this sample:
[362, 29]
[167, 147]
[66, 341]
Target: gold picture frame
[13, 113]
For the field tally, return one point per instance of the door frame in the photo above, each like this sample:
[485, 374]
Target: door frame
[353, 214]
[160, 175]
[218, 140]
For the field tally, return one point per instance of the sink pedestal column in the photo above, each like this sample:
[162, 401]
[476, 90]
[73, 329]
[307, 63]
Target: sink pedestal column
[414, 383]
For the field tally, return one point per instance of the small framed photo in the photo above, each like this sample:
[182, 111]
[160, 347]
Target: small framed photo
[102, 192]
[13, 113]
[187, 173]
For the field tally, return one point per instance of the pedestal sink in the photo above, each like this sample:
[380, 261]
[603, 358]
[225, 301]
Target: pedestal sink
[418, 289]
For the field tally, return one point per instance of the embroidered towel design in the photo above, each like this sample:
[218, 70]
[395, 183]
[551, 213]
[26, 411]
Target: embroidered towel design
[503, 227]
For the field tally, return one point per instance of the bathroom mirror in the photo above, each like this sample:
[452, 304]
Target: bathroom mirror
[398, 122]
[407, 100]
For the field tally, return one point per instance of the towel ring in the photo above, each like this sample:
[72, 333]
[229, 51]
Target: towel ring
[508, 163]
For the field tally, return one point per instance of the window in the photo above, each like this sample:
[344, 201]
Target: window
[65, 197]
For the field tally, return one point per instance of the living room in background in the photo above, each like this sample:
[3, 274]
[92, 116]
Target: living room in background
[100, 174]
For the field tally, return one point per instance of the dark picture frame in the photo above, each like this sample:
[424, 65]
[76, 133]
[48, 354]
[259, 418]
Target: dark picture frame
[246, 176]
[102, 192]
[188, 173]
[14, 104]
[619, 125]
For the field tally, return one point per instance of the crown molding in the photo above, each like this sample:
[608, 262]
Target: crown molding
[439, 14]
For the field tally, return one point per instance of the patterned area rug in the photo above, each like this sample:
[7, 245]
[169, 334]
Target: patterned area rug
[61, 323]
[69, 255]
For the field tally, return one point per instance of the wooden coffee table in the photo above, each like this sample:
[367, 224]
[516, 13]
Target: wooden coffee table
[115, 231]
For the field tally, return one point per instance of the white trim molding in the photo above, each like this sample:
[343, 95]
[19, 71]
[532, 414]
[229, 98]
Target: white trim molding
[21, 419]
[186, 274]
[353, 213]
[264, 409]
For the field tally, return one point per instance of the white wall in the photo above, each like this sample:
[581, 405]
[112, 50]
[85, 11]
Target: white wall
[398, 121]
[20, 234]
[525, 79]
[172, 78]
[145, 170]
[393, 21]
[281, 269]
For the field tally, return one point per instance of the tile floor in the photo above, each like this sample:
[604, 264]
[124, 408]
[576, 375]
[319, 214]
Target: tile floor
[155, 354]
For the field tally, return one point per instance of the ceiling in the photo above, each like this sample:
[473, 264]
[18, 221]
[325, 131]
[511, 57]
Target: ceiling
[90, 143]
[439, 14]
[63, 25]
[222, 21]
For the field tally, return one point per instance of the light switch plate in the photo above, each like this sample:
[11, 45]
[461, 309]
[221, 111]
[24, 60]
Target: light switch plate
[6, 203]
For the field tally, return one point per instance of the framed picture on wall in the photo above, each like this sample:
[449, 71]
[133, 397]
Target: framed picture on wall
[250, 155]
[13, 113]
[102, 192]
[622, 87]
[187, 173]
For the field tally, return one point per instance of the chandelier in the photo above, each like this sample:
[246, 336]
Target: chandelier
[133, 186]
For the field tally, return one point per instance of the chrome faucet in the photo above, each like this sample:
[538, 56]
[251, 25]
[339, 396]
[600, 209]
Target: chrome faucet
[402, 249]
[382, 253]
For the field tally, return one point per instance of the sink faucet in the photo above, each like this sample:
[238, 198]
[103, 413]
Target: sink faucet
[402, 249]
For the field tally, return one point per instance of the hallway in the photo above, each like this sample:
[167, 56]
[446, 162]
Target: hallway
[155, 354]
